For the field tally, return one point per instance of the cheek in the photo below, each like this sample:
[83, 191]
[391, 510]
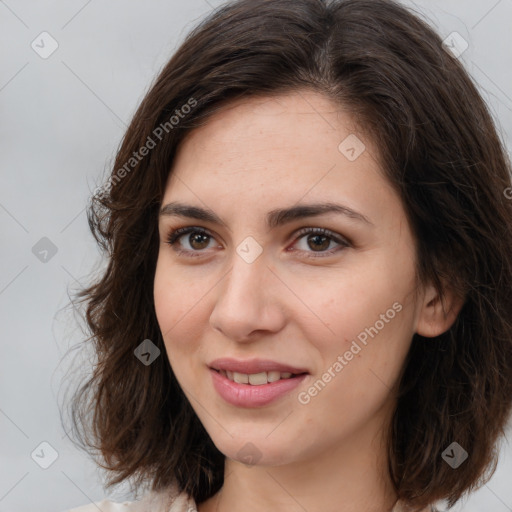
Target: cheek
[177, 306]
[358, 370]
[350, 303]
[370, 320]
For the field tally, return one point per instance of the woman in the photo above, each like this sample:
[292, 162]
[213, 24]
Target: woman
[309, 291]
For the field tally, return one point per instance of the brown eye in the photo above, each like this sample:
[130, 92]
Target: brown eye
[319, 240]
[198, 239]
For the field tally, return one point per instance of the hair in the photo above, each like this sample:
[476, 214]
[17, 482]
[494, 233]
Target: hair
[438, 147]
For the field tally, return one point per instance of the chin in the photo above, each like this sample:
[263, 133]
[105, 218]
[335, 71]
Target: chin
[256, 449]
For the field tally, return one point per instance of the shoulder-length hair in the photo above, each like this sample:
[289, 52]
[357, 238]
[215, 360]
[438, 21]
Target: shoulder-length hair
[438, 147]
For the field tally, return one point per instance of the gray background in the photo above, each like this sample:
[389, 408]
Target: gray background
[61, 121]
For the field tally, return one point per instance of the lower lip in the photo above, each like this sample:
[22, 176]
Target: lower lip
[247, 395]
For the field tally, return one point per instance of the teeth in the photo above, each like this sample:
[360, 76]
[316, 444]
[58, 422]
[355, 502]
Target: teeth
[273, 376]
[255, 379]
[241, 378]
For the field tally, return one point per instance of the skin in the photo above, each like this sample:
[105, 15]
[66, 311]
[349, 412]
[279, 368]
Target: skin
[252, 157]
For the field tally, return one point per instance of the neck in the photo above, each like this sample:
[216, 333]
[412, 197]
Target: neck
[353, 477]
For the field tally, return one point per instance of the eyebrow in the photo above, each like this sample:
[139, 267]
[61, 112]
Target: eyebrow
[275, 218]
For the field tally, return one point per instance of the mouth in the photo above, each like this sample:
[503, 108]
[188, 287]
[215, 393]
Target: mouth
[257, 379]
[254, 383]
[256, 367]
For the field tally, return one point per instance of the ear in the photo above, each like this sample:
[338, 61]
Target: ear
[437, 313]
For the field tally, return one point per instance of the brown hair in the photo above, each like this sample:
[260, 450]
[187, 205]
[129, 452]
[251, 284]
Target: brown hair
[438, 147]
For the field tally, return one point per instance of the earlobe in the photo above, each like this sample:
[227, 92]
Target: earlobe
[438, 313]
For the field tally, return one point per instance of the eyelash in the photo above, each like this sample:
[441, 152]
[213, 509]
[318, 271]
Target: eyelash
[176, 234]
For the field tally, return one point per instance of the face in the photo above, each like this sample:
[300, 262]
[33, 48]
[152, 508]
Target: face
[254, 286]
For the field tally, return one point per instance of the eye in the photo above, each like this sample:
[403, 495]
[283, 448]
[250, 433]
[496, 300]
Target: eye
[316, 239]
[198, 239]
[319, 239]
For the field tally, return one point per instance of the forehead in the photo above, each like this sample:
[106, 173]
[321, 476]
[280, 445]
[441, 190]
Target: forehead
[278, 149]
[269, 122]
[303, 128]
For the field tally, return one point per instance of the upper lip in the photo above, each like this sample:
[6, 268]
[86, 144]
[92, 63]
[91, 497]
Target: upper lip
[251, 366]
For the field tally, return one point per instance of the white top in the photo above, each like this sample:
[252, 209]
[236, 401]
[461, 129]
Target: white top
[164, 501]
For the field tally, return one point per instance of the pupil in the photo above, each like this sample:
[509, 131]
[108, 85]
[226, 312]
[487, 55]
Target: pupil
[316, 237]
[196, 238]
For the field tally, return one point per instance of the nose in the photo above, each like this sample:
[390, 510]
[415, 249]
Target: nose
[247, 304]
